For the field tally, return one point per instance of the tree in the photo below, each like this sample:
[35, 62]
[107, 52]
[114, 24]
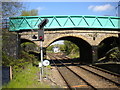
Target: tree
[28, 46]
[9, 43]
[33, 12]
[70, 47]
[50, 48]
[11, 9]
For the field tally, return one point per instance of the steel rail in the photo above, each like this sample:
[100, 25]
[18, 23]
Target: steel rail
[62, 76]
[77, 75]
[117, 84]
[115, 74]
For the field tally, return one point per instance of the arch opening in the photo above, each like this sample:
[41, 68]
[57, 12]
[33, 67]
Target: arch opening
[30, 47]
[85, 49]
[107, 47]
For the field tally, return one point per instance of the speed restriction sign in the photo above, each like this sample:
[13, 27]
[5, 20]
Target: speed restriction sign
[46, 62]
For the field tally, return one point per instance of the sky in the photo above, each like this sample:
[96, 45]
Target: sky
[73, 8]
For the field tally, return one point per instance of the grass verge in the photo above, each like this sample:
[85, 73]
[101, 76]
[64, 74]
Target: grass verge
[27, 78]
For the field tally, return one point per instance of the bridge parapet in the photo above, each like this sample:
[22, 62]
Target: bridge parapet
[24, 23]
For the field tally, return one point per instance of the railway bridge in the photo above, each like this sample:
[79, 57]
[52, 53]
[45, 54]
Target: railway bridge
[87, 32]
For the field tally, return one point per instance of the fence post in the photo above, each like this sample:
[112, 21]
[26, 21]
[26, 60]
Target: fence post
[10, 72]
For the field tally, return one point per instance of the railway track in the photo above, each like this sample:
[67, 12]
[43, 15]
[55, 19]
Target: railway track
[65, 59]
[98, 77]
[101, 73]
[70, 76]
[106, 71]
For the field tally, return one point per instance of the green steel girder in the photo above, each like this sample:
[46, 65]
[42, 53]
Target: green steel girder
[57, 22]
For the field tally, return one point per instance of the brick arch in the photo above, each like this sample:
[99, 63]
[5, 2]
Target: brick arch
[108, 40]
[26, 40]
[29, 40]
[105, 37]
[28, 37]
[54, 38]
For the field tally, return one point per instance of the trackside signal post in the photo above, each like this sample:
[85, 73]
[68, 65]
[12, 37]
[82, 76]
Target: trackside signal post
[41, 39]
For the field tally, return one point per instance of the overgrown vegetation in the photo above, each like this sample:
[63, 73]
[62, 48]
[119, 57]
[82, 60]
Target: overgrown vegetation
[61, 47]
[108, 50]
[27, 78]
[9, 43]
[25, 72]
[33, 12]
[68, 48]
[113, 55]
[22, 77]
[71, 49]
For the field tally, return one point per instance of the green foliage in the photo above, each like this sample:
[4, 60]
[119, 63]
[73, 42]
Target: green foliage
[50, 48]
[7, 60]
[61, 47]
[28, 57]
[33, 12]
[74, 55]
[70, 48]
[9, 50]
[108, 50]
[22, 76]
[107, 45]
[18, 64]
[113, 54]
[28, 46]
[9, 42]
[27, 78]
